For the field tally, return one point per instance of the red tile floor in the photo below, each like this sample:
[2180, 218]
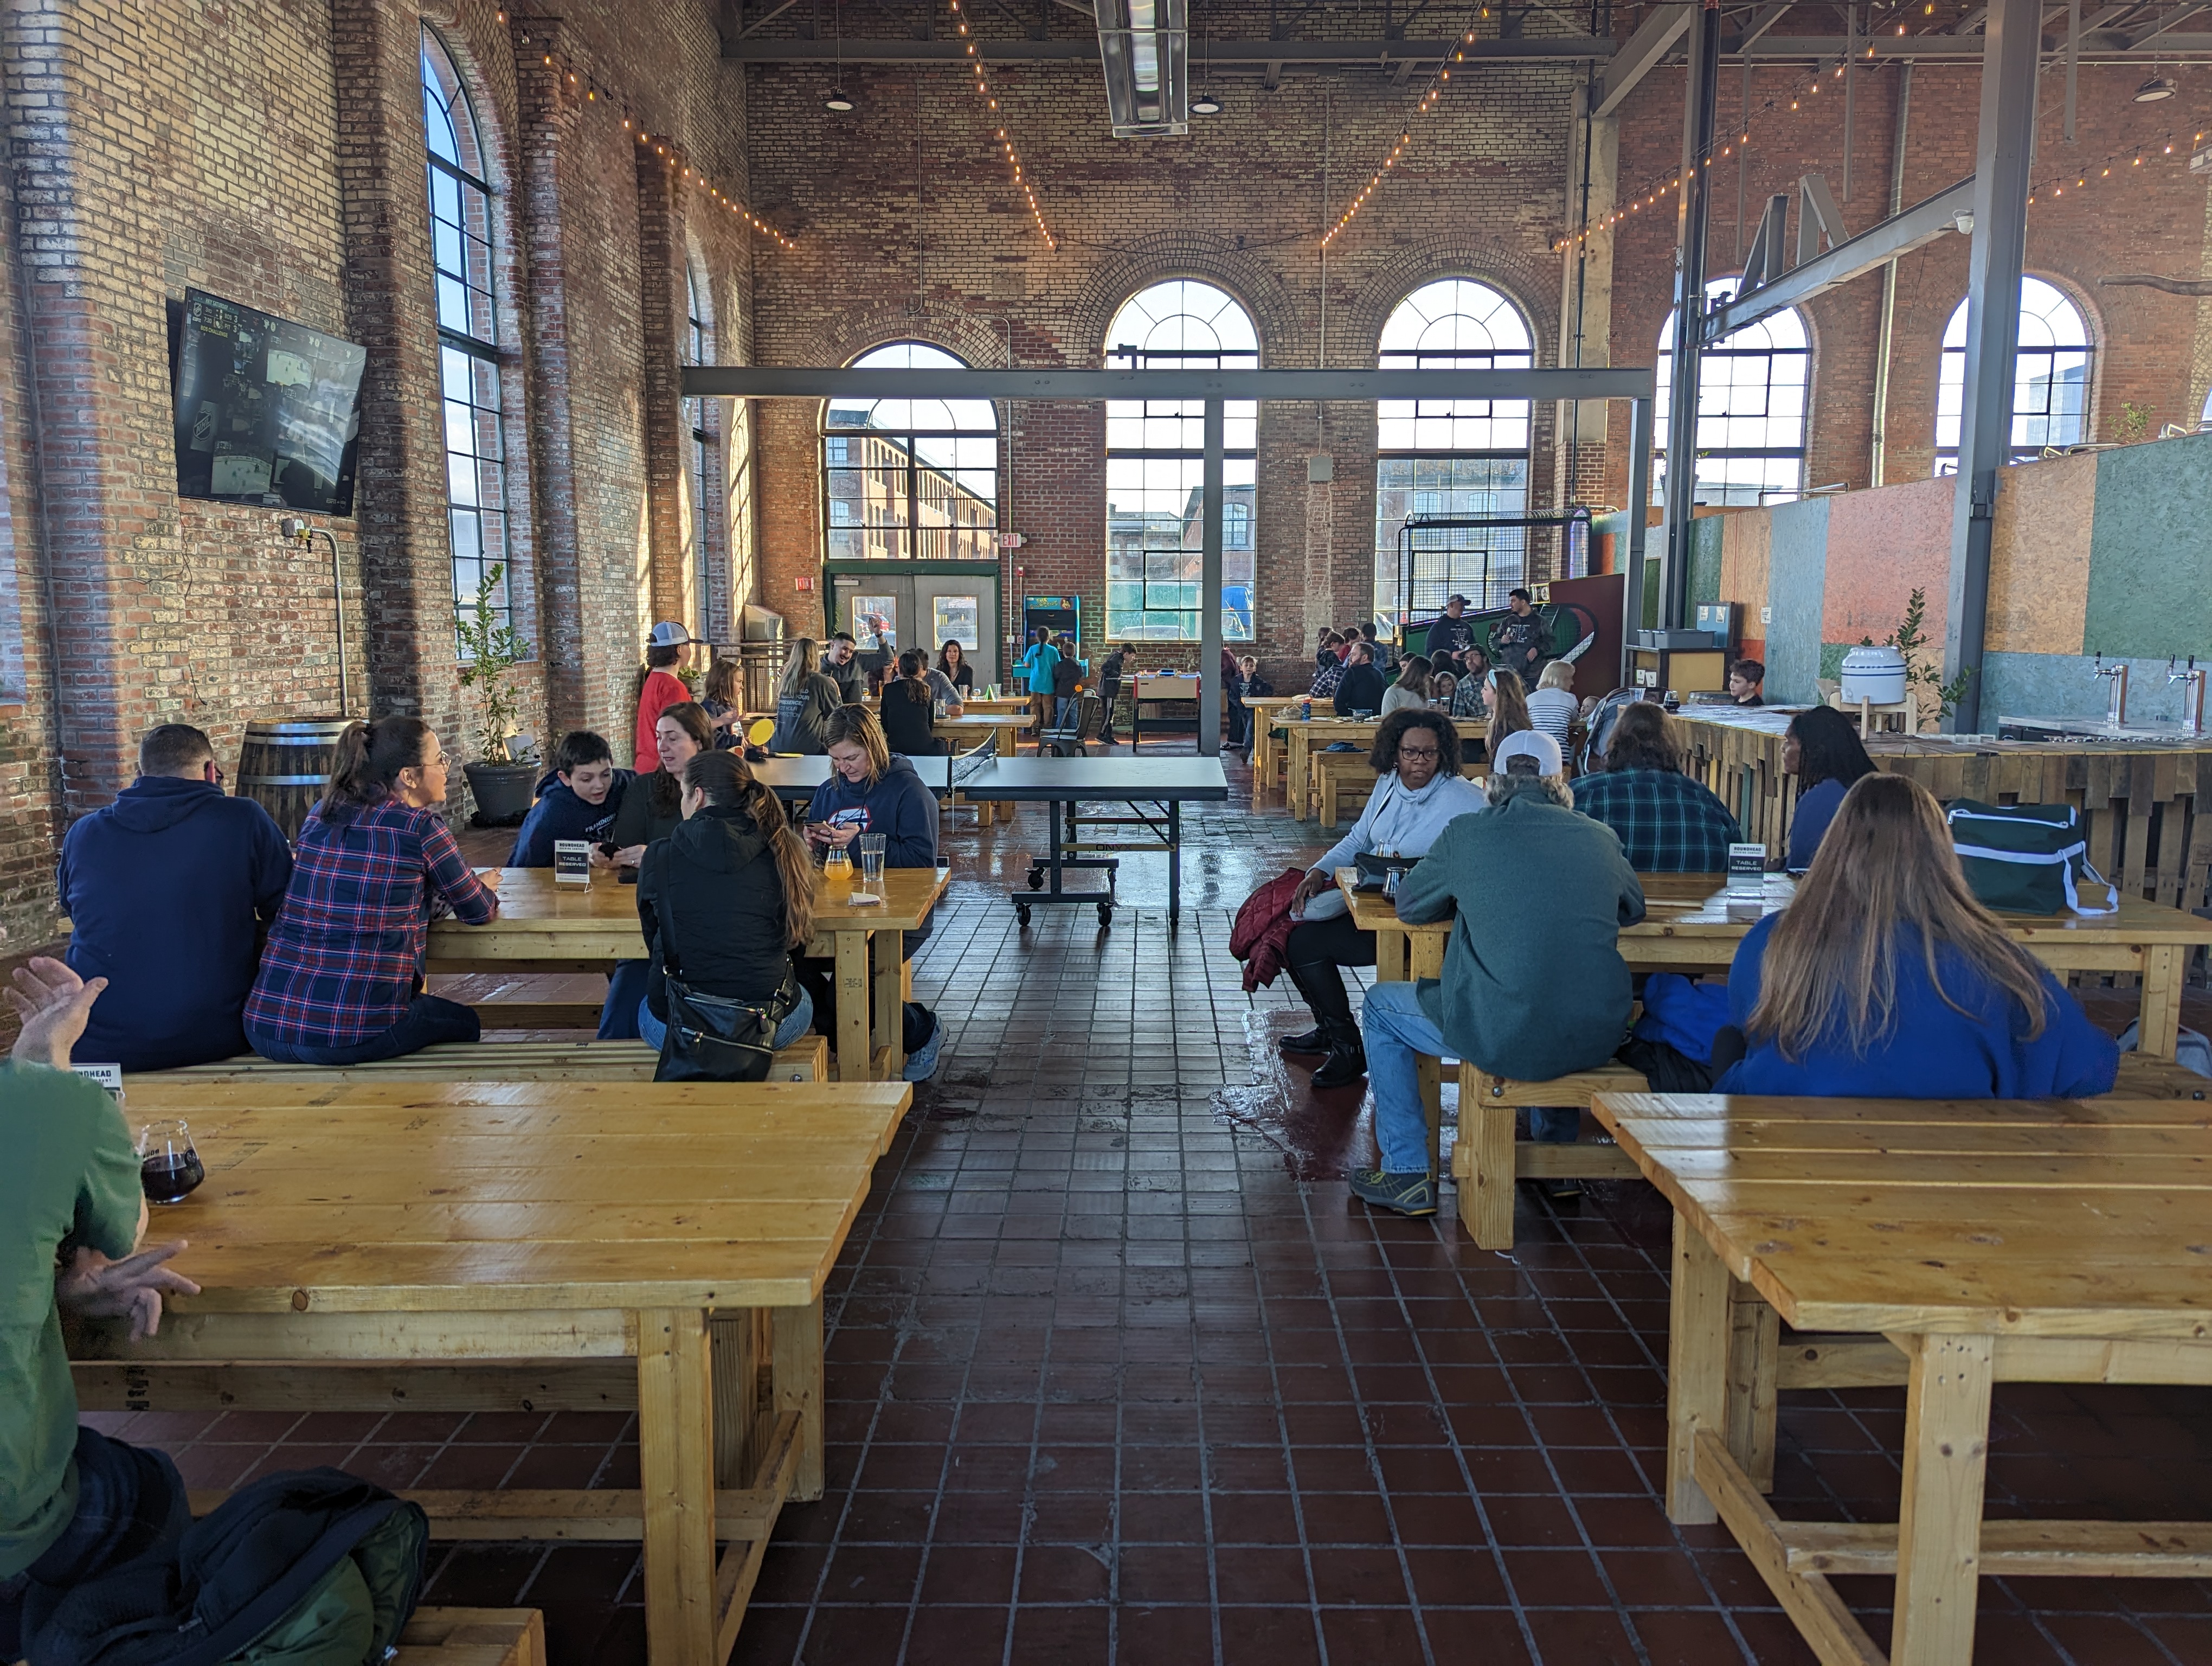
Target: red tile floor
[1117, 1371]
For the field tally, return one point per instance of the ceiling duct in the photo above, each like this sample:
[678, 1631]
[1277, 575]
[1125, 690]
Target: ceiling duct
[1144, 46]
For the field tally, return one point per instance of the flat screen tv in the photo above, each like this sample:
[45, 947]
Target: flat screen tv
[268, 410]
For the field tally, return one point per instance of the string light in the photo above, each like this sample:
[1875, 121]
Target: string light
[1425, 104]
[1005, 142]
[569, 73]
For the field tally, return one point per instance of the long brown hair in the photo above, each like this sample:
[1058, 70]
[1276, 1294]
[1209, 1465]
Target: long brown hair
[1643, 738]
[1885, 864]
[803, 660]
[1509, 706]
[722, 682]
[857, 726]
[667, 792]
[1413, 676]
[370, 756]
[723, 779]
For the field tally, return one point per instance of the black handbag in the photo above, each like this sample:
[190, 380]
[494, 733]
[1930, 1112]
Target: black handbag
[712, 1038]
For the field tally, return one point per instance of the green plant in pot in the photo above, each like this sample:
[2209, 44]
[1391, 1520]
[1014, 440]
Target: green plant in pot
[490, 650]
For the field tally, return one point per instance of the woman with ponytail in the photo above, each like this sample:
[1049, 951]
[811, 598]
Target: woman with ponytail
[340, 979]
[736, 888]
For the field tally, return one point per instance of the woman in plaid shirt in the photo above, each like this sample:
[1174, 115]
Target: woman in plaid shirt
[1668, 822]
[342, 977]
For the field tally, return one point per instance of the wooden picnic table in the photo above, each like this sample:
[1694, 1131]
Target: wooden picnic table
[1988, 1241]
[1306, 735]
[664, 1246]
[1692, 925]
[1263, 708]
[542, 927]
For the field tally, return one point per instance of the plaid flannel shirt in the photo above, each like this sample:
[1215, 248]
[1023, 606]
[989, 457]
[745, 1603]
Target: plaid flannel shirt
[346, 953]
[1668, 822]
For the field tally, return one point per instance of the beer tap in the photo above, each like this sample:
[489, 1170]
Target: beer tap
[2192, 694]
[2116, 711]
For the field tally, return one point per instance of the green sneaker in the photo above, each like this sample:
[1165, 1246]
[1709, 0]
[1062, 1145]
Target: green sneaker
[1407, 1194]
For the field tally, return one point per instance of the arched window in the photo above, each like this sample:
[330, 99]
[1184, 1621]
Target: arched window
[461, 225]
[1441, 461]
[705, 472]
[2050, 378]
[1751, 409]
[914, 479]
[1155, 467]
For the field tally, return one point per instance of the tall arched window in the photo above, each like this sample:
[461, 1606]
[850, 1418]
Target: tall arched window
[2050, 378]
[914, 479]
[1751, 409]
[1155, 467]
[461, 222]
[1439, 461]
[699, 423]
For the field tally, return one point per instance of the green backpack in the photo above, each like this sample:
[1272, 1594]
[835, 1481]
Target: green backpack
[2026, 858]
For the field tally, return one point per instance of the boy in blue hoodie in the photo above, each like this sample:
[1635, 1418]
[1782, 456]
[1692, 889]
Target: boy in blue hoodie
[578, 800]
[871, 789]
[168, 890]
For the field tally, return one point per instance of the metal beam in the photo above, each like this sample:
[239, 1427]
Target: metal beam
[1225, 54]
[1756, 28]
[723, 381]
[1691, 220]
[1654, 38]
[1814, 48]
[1211, 485]
[1855, 257]
[2003, 154]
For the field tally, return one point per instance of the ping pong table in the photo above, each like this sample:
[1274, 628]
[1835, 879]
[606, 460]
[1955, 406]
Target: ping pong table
[1063, 785]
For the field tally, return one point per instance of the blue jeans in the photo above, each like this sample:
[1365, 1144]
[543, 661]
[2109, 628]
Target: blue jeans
[428, 1019]
[651, 1030]
[625, 989]
[130, 1502]
[1396, 1034]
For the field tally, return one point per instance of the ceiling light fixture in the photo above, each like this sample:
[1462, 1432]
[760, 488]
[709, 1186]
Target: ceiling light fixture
[1144, 46]
[839, 102]
[1206, 104]
[2157, 88]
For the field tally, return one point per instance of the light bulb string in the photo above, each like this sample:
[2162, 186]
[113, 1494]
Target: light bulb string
[1431, 95]
[1003, 134]
[572, 76]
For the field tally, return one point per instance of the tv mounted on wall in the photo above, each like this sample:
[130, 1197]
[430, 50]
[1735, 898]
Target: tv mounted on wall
[268, 410]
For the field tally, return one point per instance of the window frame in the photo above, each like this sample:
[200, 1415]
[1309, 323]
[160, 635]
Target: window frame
[704, 471]
[1185, 559]
[464, 354]
[1409, 457]
[1725, 287]
[906, 441]
[1945, 462]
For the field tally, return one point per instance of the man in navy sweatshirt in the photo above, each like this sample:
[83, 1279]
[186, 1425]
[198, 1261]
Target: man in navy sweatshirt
[168, 890]
[578, 800]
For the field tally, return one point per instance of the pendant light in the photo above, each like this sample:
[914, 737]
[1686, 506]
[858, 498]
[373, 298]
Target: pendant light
[839, 101]
[1206, 104]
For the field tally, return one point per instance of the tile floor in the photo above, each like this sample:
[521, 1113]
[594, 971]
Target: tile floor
[1118, 1372]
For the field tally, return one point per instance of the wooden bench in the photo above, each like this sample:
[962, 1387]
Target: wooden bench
[1487, 1158]
[806, 1060]
[472, 1637]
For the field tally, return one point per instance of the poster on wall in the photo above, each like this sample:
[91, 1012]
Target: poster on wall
[873, 619]
[953, 620]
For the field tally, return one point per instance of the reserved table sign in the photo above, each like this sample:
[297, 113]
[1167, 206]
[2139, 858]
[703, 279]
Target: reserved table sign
[572, 862]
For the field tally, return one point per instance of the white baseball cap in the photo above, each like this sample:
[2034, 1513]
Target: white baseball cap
[668, 633]
[1531, 744]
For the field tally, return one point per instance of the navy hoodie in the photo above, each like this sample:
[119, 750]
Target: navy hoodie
[560, 814]
[168, 890]
[897, 805]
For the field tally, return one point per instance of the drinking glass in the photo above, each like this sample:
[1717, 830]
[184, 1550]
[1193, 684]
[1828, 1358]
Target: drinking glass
[836, 873]
[871, 847]
[169, 1168]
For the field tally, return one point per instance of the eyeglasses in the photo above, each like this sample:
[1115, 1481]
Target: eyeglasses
[1418, 751]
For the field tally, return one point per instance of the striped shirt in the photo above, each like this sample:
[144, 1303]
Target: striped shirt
[344, 955]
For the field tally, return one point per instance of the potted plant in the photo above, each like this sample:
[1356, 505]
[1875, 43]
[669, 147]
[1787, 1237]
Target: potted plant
[503, 786]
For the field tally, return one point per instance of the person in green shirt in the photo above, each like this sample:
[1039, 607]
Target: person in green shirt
[72, 1221]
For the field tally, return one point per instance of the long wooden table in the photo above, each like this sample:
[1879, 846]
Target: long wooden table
[542, 927]
[2042, 1242]
[1263, 708]
[1692, 925]
[1306, 735]
[645, 1244]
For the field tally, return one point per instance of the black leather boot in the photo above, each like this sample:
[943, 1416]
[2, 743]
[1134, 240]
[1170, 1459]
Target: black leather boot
[1347, 1063]
[1315, 1040]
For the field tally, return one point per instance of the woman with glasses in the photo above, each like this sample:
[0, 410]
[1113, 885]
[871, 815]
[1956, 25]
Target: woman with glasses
[341, 979]
[1418, 790]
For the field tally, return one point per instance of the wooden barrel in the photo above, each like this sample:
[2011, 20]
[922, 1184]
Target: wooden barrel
[284, 766]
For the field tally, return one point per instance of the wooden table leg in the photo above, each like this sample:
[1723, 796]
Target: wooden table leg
[890, 1004]
[852, 1039]
[1393, 955]
[1754, 1339]
[1294, 798]
[1939, 1523]
[796, 1369]
[2164, 969]
[676, 1472]
[1697, 1368]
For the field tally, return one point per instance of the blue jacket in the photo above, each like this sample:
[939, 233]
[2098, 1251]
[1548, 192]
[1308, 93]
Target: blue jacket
[1808, 823]
[560, 814]
[168, 890]
[1933, 1051]
[1039, 661]
[898, 806]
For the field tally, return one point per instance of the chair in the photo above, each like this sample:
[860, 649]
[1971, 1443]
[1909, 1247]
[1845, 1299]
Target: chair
[1074, 741]
[965, 765]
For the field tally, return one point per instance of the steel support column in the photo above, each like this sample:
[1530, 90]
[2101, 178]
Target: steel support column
[1209, 588]
[2003, 157]
[1640, 419]
[1692, 204]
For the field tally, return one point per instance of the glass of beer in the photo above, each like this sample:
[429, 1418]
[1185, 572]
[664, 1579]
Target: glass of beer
[169, 1167]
